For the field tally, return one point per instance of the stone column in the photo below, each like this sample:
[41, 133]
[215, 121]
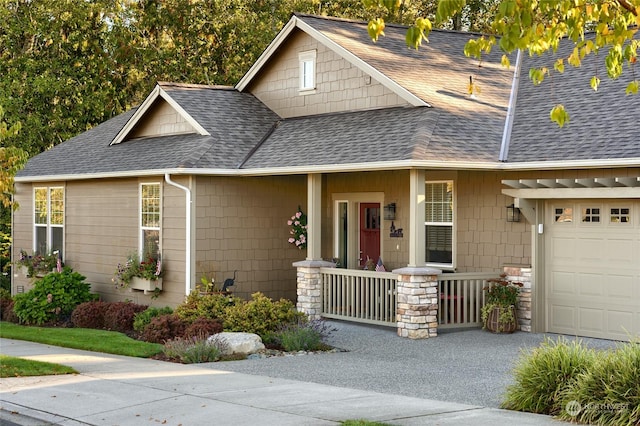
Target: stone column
[309, 289]
[522, 274]
[417, 311]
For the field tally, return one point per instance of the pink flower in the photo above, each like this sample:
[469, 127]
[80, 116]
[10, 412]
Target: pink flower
[296, 223]
[291, 240]
[289, 223]
[298, 215]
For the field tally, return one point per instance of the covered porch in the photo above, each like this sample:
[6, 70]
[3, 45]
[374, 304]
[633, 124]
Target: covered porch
[415, 298]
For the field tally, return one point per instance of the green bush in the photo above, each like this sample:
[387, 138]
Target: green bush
[300, 337]
[52, 298]
[193, 350]
[261, 315]
[212, 306]
[142, 319]
[544, 373]
[609, 392]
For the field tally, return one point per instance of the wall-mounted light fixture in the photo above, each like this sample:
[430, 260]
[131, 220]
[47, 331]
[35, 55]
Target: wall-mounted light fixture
[513, 213]
[390, 211]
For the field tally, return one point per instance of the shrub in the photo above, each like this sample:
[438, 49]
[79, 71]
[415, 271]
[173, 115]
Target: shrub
[261, 315]
[609, 392]
[302, 336]
[6, 306]
[5, 301]
[119, 316]
[164, 328]
[89, 315]
[193, 350]
[52, 298]
[206, 306]
[142, 319]
[203, 327]
[544, 373]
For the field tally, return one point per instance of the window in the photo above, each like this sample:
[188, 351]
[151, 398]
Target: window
[620, 215]
[439, 222]
[150, 216]
[307, 70]
[591, 214]
[48, 219]
[563, 215]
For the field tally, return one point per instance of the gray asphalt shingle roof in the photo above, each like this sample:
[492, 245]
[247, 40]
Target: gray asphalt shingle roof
[245, 133]
[603, 124]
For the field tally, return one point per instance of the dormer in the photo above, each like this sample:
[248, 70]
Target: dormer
[158, 115]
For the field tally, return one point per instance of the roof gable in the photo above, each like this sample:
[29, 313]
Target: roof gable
[158, 115]
[298, 22]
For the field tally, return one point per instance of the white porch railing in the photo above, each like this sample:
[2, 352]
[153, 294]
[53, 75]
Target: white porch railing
[461, 299]
[359, 296]
[370, 297]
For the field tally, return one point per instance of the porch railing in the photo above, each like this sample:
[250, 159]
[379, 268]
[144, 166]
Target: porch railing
[360, 296]
[461, 299]
[371, 297]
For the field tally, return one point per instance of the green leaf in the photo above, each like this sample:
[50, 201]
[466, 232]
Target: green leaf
[632, 88]
[595, 82]
[505, 61]
[559, 115]
[448, 8]
[376, 28]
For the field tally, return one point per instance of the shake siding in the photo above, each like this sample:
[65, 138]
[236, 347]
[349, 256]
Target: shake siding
[395, 185]
[242, 225]
[162, 119]
[340, 86]
[22, 231]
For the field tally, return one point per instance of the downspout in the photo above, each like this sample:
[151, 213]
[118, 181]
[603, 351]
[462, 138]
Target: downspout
[508, 123]
[187, 266]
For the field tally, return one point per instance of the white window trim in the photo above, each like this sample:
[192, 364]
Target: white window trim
[446, 266]
[142, 228]
[48, 226]
[307, 57]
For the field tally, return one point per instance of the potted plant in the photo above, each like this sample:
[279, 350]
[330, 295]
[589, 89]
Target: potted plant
[37, 265]
[499, 310]
[140, 274]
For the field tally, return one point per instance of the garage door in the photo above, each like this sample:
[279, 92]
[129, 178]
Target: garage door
[592, 266]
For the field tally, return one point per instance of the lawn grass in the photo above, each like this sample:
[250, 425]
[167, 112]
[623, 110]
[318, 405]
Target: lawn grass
[20, 367]
[87, 339]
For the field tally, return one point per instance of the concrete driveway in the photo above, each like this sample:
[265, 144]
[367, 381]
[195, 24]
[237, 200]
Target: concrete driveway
[468, 366]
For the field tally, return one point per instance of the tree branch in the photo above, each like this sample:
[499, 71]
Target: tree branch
[628, 6]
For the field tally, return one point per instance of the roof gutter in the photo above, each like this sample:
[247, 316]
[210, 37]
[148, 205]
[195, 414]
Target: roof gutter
[508, 123]
[188, 227]
[351, 167]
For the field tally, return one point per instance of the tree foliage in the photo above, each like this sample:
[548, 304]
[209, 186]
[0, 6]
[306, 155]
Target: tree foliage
[538, 26]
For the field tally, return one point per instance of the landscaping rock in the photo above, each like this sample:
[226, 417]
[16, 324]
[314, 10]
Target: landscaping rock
[238, 343]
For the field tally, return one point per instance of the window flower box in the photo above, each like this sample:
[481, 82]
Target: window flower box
[144, 284]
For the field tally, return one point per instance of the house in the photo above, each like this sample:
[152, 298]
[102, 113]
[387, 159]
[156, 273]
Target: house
[391, 158]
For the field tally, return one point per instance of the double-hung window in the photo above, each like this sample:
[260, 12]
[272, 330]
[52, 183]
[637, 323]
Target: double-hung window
[48, 219]
[150, 219]
[439, 223]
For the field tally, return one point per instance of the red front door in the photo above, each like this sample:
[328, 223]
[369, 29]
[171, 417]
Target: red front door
[369, 233]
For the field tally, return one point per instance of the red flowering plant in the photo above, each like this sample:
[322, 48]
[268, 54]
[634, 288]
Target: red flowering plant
[150, 268]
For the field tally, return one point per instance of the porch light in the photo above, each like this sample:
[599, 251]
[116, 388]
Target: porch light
[513, 213]
[390, 211]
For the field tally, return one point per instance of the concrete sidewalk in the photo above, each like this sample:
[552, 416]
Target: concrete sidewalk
[117, 390]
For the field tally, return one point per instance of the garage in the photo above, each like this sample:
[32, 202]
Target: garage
[592, 267]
